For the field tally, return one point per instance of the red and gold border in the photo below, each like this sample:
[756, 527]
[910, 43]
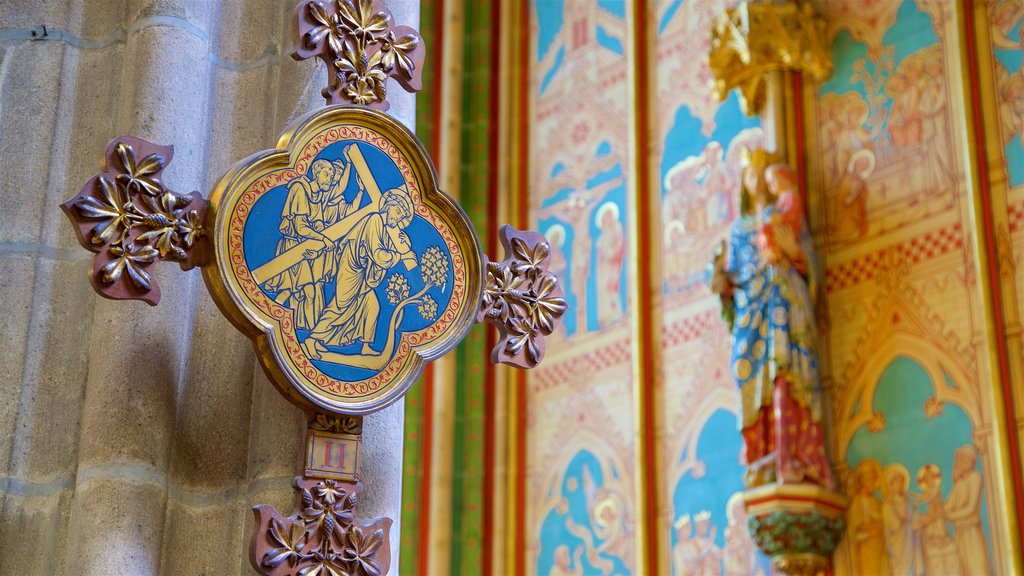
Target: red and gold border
[239, 296]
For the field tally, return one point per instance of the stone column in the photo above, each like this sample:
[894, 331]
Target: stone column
[133, 440]
[138, 355]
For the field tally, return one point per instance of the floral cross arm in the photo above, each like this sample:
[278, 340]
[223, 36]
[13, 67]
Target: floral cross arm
[522, 298]
[362, 48]
[131, 220]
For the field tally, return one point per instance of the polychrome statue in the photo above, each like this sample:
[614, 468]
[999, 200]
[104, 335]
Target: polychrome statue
[766, 277]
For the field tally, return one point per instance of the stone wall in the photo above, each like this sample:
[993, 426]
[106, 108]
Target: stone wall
[134, 440]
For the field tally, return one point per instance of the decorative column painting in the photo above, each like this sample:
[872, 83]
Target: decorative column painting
[1006, 19]
[580, 449]
[698, 153]
[911, 409]
[912, 425]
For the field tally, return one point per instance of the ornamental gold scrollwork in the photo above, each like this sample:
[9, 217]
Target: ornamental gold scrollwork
[762, 36]
[361, 47]
[132, 220]
[522, 298]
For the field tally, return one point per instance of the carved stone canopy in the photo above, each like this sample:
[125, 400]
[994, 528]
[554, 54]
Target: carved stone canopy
[761, 36]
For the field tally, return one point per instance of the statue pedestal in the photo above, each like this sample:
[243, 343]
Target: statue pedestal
[797, 525]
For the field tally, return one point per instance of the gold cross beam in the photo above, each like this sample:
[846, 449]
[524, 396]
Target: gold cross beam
[338, 230]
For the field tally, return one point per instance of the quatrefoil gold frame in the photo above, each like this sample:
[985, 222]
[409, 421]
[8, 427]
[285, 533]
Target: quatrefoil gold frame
[266, 322]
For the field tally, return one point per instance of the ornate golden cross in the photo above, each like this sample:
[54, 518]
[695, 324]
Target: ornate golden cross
[337, 254]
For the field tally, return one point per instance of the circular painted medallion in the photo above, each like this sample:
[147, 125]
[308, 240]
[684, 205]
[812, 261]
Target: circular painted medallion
[337, 253]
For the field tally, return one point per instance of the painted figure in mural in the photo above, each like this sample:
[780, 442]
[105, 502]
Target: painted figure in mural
[611, 251]
[739, 554]
[768, 294]
[684, 551]
[708, 559]
[850, 215]
[904, 118]
[576, 211]
[850, 135]
[932, 86]
[684, 196]
[897, 515]
[938, 550]
[376, 244]
[1012, 106]
[867, 529]
[963, 510]
[718, 183]
[312, 205]
[612, 526]
[558, 265]
[563, 560]
[673, 256]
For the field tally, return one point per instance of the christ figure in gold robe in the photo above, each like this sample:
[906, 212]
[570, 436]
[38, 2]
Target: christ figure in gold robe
[375, 245]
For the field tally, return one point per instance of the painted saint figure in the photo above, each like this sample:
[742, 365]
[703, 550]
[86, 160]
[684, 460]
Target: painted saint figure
[897, 515]
[376, 244]
[768, 292]
[867, 529]
[611, 250]
[963, 510]
[684, 551]
[563, 562]
[739, 553]
[312, 205]
[850, 216]
[708, 561]
[937, 547]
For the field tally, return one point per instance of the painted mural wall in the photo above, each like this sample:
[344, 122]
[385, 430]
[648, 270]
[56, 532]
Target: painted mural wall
[905, 364]
[580, 492]
[698, 155]
[911, 396]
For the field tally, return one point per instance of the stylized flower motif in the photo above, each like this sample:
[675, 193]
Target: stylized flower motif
[190, 227]
[523, 335]
[398, 288]
[434, 267]
[363, 90]
[360, 548]
[291, 537]
[877, 422]
[162, 223]
[330, 492]
[501, 293]
[394, 52]
[114, 209]
[358, 18]
[548, 306]
[330, 27]
[324, 565]
[428, 308]
[140, 176]
[363, 80]
[131, 258]
[933, 407]
[528, 260]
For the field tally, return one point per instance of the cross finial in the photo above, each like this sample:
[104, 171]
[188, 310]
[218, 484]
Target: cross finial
[361, 46]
